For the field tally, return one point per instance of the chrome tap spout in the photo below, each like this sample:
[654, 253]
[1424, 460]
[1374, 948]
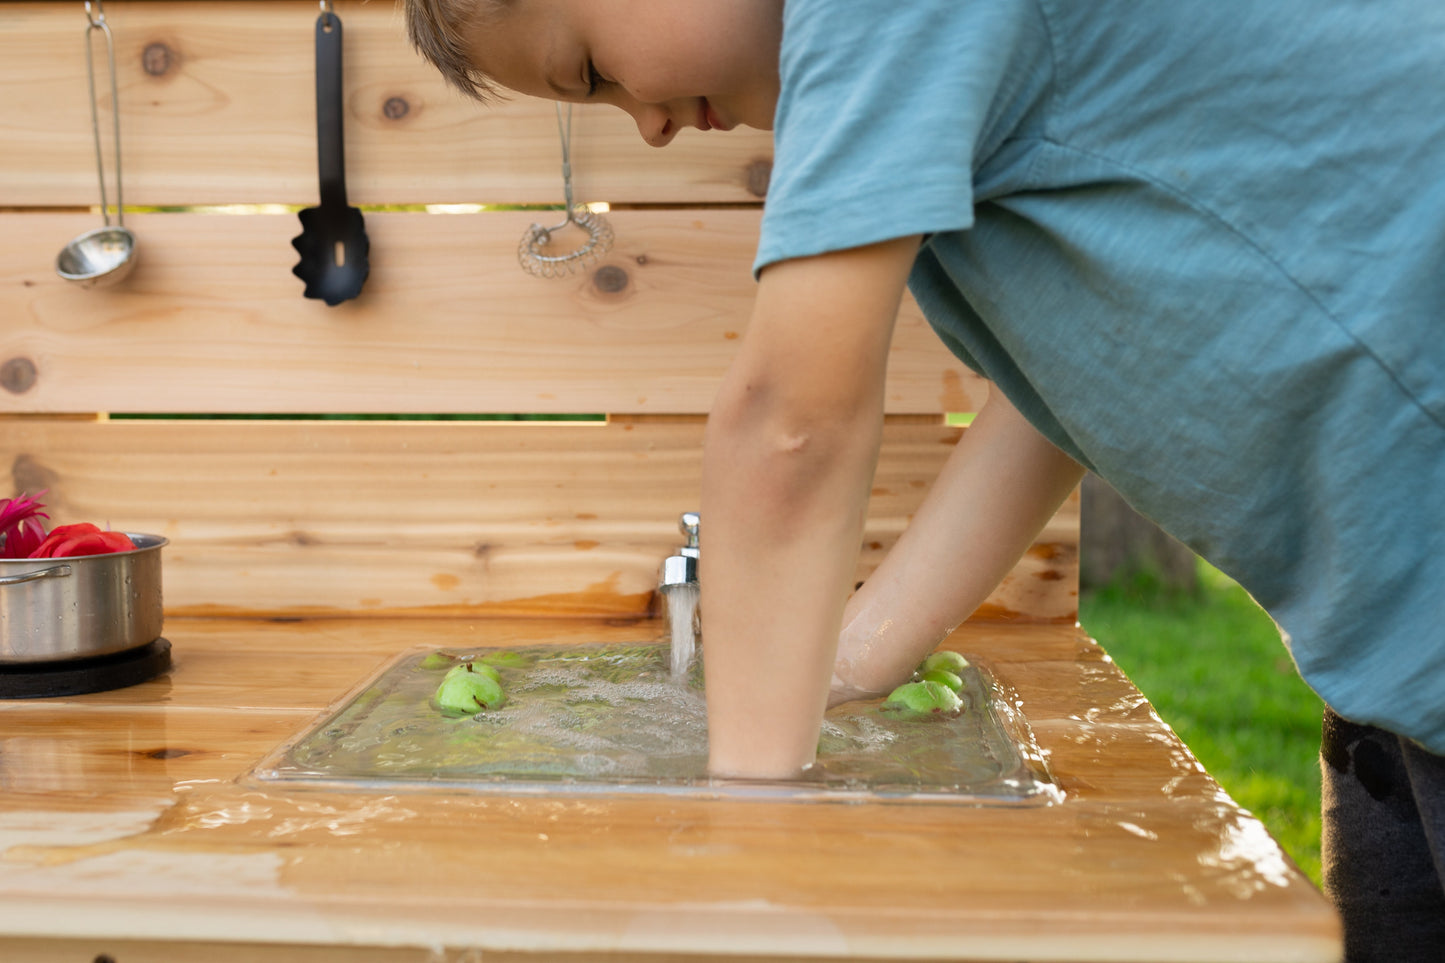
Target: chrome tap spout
[680, 568]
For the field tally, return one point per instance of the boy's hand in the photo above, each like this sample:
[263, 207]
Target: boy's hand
[1000, 486]
[787, 466]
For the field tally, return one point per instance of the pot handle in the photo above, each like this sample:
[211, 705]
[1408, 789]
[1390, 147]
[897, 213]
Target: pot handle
[58, 571]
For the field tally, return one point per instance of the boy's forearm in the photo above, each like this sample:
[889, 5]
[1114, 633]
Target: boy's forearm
[787, 466]
[1001, 485]
[781, 549]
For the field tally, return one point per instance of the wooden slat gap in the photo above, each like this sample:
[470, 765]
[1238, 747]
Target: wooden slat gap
[685, 205]
[48, 209]
[53, 416]
[649, 418]
[570, 420]
[939, 419]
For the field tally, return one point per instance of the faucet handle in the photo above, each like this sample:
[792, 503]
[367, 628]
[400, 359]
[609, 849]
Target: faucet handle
[687, 523]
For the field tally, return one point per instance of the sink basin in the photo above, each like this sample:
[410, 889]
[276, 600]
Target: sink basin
[612, 719]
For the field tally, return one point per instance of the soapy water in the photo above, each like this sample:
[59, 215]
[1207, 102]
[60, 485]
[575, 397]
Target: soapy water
[682, 621]
[614, 718]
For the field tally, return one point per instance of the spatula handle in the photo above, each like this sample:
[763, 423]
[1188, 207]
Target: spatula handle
[330, 155]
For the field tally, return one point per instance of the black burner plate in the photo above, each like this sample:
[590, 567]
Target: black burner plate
[39, 680]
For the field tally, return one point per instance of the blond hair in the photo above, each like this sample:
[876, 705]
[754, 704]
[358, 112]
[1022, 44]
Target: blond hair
[438, 31]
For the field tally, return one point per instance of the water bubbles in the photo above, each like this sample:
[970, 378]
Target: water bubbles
[595, 764]
[612, 716]
[544, 676]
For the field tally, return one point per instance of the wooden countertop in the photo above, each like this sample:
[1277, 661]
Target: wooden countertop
[124, 830]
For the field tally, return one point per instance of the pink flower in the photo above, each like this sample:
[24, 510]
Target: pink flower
[21, 531]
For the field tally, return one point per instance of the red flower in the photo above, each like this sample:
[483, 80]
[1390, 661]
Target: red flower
[21, 530]
[82, 538]
[22, 535]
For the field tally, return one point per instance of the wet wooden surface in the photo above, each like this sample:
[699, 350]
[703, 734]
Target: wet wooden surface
[128, 825]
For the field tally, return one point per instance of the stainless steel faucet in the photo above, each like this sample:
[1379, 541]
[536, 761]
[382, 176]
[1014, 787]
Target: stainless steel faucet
[680, 568]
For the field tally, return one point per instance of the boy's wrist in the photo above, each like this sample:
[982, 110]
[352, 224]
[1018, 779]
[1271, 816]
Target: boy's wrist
[842, 690]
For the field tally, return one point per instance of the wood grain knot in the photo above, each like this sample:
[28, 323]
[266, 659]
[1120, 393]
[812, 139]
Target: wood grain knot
[395, 108]
[17, 375]
[166, 753]
[30, 475]
[156, 59]
[759, 173]
[610, 279]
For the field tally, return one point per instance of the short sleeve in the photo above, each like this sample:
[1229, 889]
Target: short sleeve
[885, 111]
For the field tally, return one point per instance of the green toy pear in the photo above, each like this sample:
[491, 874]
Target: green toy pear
[945, 659]
[923, 699]
[469, 688]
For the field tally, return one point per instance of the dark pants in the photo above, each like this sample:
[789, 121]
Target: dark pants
[1383, 846]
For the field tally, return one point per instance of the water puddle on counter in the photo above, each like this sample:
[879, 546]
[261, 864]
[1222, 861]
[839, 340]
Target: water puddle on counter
[611, 719]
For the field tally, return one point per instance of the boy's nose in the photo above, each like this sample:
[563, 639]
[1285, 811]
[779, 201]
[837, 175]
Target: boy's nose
[654, 123]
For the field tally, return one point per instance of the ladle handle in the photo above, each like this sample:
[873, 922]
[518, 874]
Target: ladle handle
[95, 20]
[330, 155]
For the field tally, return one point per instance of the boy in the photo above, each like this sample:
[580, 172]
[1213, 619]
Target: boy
[1198, 248]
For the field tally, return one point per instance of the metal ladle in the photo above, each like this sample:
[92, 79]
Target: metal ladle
[105, 255]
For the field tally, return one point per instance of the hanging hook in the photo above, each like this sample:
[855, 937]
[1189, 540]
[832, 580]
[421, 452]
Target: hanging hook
[96, 17]
[565, 134]
[566, 138]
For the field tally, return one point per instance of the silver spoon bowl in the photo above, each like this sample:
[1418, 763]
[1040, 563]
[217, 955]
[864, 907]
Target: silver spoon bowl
[98, 258]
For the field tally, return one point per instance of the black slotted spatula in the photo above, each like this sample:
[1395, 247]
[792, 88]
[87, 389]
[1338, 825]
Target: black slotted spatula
[333, 244]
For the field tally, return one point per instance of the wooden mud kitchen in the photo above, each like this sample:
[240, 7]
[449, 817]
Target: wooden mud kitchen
[203, 399]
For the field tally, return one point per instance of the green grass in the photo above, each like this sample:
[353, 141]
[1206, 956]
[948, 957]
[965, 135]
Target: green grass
[1213, 665]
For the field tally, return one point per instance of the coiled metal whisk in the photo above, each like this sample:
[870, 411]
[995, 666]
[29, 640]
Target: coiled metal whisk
[534, 254]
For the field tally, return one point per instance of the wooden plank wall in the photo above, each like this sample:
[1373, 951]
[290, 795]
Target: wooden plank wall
[267, 517]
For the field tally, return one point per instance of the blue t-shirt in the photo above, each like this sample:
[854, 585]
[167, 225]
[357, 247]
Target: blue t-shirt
[1200, 244]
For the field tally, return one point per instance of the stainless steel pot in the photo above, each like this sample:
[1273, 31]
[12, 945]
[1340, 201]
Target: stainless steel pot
[72, 608]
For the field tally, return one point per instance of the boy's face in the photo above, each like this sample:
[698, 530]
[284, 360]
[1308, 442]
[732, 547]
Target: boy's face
[669, 63]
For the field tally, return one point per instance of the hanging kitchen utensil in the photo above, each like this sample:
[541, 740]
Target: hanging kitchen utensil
[333, 245]
[533, 252]
[105, 255]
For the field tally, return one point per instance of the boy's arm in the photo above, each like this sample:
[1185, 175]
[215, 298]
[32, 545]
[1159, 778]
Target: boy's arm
[788, 462]
[998, 489]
